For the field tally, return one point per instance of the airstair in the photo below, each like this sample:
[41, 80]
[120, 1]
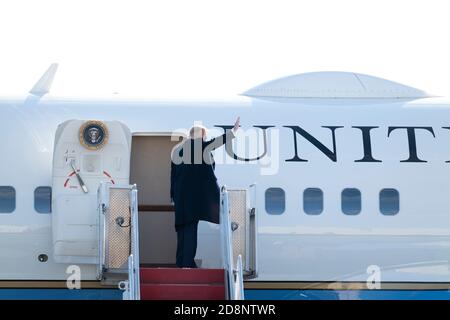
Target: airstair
[95, 221]
[119, 251]
[182, 284]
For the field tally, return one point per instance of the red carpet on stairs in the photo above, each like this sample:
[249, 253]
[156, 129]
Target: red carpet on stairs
[182, 284]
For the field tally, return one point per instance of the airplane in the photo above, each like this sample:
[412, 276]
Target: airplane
[334, 188]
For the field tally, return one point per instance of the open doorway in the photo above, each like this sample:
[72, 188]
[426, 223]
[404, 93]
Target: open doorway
[150, 170]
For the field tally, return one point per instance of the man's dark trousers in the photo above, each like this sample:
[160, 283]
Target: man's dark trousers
[186, 244]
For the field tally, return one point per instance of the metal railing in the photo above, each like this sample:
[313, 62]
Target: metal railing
[242, 210]
[234, 276]
[239, 280]
[251, 270]
[118, 237]
[134, 275]
[225, 230]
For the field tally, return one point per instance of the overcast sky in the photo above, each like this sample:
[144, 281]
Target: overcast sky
[207, 48]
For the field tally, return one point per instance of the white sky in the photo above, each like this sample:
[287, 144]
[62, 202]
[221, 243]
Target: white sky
[207, 48]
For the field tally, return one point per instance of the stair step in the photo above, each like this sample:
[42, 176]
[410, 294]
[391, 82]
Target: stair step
[182, 292]
[182, 276]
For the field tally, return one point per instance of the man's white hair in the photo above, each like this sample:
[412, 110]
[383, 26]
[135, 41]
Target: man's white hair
[198, 131]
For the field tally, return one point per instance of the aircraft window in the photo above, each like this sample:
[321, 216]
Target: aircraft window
[351, 201]
[43, 199]
[389, 202]
[313, 201]
[275, 201]
[7, 199]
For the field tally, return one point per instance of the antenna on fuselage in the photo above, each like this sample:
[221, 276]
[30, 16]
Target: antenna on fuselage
[43, 85]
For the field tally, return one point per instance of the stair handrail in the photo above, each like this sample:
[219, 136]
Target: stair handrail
[133, 259]
[239, 280]
[102, 208]
[130, 286]
[234, 276]
[227, 254]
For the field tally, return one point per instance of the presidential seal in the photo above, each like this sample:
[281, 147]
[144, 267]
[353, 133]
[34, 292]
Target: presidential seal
[93, 135]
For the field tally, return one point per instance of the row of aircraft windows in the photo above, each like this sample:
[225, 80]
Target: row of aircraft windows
[42, 199]
[275, 201]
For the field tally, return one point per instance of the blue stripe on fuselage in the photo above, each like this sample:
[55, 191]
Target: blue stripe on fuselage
[278, 294]
[60, 294]
[250, 294]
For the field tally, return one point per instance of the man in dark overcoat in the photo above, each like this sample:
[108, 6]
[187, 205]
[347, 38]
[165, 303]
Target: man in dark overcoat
[194, 189]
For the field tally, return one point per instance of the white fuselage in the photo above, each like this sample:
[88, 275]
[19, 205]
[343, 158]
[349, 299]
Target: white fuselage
[412, 245]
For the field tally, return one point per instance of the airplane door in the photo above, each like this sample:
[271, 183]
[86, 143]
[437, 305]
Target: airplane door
[85, 153]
